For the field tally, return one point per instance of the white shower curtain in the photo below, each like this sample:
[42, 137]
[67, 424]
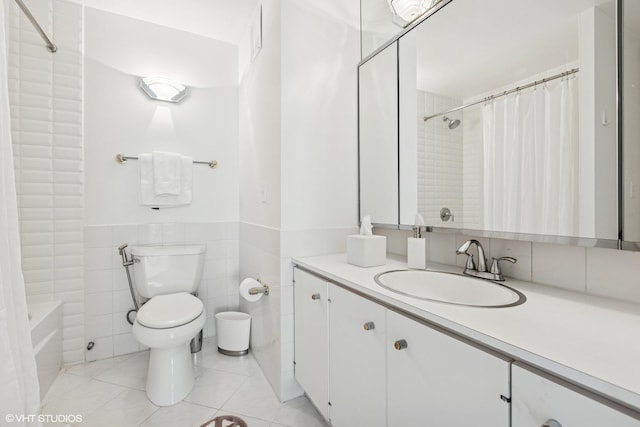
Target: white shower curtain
[19, 389]
[530, 160]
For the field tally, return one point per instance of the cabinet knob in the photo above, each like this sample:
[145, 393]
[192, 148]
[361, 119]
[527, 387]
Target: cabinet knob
[400, 344]
[315, 296]
[551, 423]
[369, 326]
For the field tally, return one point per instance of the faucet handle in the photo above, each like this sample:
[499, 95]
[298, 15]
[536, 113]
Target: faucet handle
[495, 265]
[470, 265]
[464, 250]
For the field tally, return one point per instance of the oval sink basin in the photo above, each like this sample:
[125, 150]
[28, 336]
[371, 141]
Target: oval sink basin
[449, 288]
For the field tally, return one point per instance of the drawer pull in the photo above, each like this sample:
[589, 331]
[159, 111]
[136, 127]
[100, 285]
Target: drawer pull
[315, 296]
[551, 423]
[369, 326]
[400, 344]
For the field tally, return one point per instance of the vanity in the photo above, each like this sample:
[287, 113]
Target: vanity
[498, 119]
[366, 355]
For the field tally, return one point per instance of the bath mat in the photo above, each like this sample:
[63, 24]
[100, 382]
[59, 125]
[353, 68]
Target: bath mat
[226, 421]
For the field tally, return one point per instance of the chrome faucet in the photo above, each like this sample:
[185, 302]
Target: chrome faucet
[494, 273]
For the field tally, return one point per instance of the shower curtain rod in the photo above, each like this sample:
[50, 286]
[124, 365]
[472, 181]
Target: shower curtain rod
[52, 47]
[505, 93]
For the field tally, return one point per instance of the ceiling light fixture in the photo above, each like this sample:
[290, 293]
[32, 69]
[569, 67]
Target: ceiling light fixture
[406, 11]
[163, 90]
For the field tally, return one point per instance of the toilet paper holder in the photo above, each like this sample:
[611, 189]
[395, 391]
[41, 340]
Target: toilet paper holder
[263, 290]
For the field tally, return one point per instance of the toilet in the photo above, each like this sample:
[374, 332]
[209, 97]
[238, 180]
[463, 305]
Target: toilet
[172, 316]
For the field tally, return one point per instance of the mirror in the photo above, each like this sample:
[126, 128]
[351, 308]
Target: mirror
[630, 123]
[508, 119]
[378, 136]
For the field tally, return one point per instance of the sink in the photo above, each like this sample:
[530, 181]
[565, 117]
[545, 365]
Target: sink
[449, 288]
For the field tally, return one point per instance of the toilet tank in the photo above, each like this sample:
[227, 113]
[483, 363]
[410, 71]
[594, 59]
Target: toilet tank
[160, 270]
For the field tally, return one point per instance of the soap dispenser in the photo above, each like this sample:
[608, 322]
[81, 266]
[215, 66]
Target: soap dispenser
[417, 246]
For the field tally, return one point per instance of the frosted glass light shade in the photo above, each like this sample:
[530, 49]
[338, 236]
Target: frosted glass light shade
[407, 11]
[163, 90]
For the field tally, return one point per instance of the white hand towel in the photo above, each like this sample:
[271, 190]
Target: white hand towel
[147, 194]
[166, 173]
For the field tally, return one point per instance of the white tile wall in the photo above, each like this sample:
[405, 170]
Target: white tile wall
[107, 295]
[439, 160]
[260, 258]
[604, 272]
[46, 109]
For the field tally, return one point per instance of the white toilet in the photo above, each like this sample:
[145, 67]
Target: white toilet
[168, 321]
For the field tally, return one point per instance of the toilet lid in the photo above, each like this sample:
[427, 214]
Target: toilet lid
[169, 311]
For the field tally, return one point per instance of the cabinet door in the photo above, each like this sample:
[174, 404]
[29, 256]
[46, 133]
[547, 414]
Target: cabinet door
[437, 380]
[357, 360]
[537, 399]
[311, 338]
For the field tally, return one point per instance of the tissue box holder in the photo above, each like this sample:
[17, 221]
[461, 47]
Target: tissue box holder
[366, 251]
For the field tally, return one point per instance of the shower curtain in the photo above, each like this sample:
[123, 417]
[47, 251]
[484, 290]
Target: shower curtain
[530, 154]
[19, 389]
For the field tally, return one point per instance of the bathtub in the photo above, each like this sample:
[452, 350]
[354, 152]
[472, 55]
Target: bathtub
[46, 335]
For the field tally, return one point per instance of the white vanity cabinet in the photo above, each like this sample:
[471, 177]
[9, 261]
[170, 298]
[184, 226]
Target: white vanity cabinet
[357, 360]
[311, 338]
[540, 400]
[435, 379]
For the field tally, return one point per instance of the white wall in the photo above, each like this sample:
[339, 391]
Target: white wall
[320, 53]
[120, 118]
[46, 108]
[260, 169]
[319, 121]
[260, 125]
[298, 141]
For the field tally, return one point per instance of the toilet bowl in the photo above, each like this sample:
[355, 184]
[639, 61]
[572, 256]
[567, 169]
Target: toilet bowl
[166, 324]
[172, 316]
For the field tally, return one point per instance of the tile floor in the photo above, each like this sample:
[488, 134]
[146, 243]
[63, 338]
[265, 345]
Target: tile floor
[111, 393]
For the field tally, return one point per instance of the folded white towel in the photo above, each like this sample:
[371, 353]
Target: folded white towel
[147, 194]
[166, 173]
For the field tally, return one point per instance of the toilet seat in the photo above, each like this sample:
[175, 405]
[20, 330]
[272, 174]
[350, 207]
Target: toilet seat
[169, 311]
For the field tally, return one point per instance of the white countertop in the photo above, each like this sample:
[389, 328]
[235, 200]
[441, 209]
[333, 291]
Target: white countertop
[590, 341]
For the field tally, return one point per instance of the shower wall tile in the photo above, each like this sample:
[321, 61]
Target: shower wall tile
[49, 167]
[440, 158]
[107, 295]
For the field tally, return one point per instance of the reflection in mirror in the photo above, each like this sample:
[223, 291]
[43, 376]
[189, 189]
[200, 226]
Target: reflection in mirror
[378, 137]
[631, 124]
[508, 118]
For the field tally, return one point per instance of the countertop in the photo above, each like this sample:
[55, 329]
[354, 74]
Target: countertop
[590, 341]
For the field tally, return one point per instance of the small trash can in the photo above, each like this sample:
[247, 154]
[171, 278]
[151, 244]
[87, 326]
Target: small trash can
[233, 329]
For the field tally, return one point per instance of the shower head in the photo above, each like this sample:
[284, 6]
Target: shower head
[452, 123]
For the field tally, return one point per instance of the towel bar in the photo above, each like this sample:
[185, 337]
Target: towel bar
[121, 158]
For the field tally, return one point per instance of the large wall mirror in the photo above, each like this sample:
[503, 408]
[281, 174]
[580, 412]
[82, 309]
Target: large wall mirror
[378, 135]
[507, 115]
[630, 34]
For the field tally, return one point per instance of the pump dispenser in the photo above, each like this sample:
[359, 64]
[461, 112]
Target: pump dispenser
[417, 246]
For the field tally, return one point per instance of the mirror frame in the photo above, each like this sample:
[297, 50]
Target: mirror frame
[619, 243]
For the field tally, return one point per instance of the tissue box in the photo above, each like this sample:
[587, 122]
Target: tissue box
[366, 251]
